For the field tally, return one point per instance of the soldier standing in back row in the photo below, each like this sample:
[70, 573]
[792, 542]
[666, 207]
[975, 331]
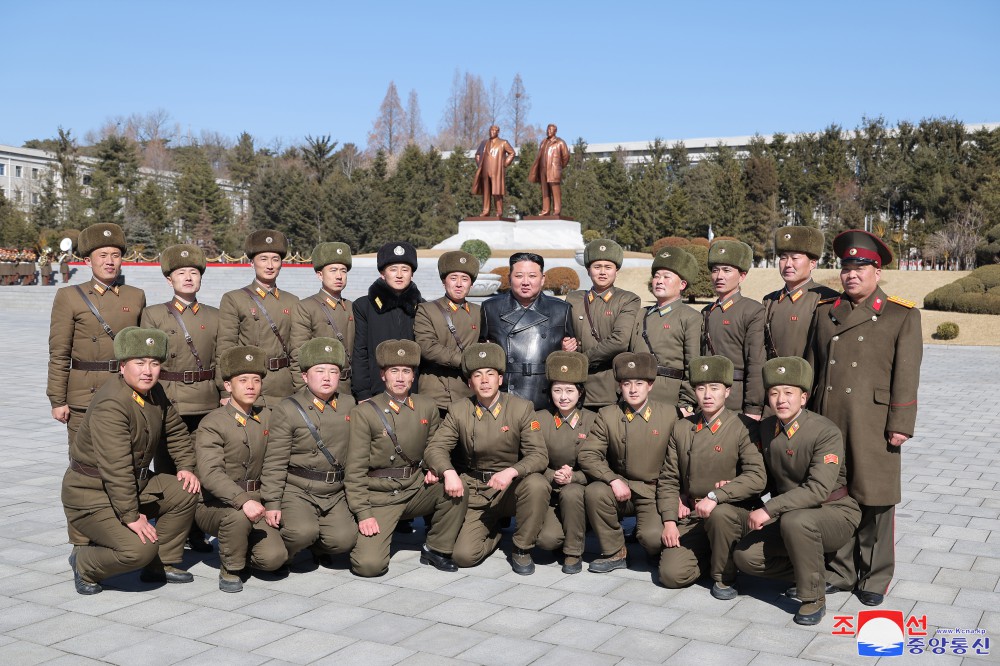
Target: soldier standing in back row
[326, 314]
[260, 314]
[866, 350]
[230, 447]
[85, 320]
[386, 480]
[788, 312]
[603, 318]
[671, 330]
[444, 328]
[622, 457]
[734, 325]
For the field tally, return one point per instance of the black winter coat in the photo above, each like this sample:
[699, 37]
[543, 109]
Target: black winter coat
[381, 315]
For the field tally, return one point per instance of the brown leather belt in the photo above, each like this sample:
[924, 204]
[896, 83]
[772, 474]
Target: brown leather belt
[479, 475]
[95, 366]
[837, 494]
[393, 472]
[88, 470]
[188, 376]
[334, 476]
[277, 363]
[648, 483]
[671, 373]
[251, 485]
[739, 375]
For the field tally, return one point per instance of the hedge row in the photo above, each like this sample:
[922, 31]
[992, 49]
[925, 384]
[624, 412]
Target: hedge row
[976, 293]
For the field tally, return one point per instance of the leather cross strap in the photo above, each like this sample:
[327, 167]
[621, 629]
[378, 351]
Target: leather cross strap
[451, 326]
[274, 328]
[315, 433]
[769, 348]
[187, 336]
[392, 435]
[706, 336]
[590, 320]
[100, 319]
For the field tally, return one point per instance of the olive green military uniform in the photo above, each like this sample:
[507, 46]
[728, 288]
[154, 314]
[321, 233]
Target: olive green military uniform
[387, 486]
[735, 329]
[298, 479]
[109, 484]
[867, 362]
[672, 333]
[230, 447]
[812, 512]
[486, 440]
[242, 322]
[441, 368]
[191, 383]
[630, 446]
[788, 317]
[322, 315]
[612, 318]
[700, 455]
[565, 526]
[78, 343]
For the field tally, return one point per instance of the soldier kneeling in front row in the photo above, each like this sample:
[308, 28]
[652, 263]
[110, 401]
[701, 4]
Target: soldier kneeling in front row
[230, 445]
[108, 491]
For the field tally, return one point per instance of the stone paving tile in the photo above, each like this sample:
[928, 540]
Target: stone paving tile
[516, 622]
[356, 592]
[711, 628]
[280, 607]
[386, 628]
[574, 632]
[104, 640]
[584, 606]
[58, 628]
[219, 656]
[460, 612]
[479, 589]
[249, 634]
[304, 647]
[771, 659]
[561, 655]
[404, 601]
[701, 652]
[150, 612]
[444, 640]
[529, 597]
[332, 617]
[428, 659]
[503, 650]
[644, 616]
[160, 650]
[971, 579]
[23, 652]
[198, 623]
[785, 641]
[367, 653]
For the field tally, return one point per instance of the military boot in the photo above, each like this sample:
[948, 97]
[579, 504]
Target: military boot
[229, 581]
[810, 612]
[605, 564]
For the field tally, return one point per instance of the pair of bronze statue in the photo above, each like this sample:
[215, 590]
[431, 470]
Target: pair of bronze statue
[493, 157]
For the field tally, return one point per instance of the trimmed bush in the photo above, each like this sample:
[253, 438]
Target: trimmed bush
[701, 242]
[702, 287]
[504, 273]
[669, 241]
[946, 331]
[976, 293]
[591, 235]
[561, 280]
[478, 249]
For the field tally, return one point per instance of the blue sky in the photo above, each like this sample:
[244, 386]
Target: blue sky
[605, 71]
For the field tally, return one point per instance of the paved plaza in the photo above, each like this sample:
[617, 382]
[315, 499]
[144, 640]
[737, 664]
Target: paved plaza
[948, 553]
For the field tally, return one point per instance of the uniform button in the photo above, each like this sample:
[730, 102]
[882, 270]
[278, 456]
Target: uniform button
[854, 365]
[860, 338]
[847, 390]
[391, 458]
[833, 361]
[395, 492]
[829, 388]
[836, 337]
[94, 339]
[874, 318]
[173, 356]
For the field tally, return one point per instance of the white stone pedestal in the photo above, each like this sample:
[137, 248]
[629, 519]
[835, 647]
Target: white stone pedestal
[554, 234]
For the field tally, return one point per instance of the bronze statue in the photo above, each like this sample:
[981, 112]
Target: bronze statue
[553, 156]
[493, 157]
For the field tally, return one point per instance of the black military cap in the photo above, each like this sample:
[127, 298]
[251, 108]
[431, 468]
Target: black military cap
[396, 253]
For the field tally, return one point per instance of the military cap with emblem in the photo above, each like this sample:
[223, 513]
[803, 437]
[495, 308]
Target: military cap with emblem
[397, 352]
[103, 234]
[266, 240]
[635, 365]
[710, 370]
[319, 351]
[564, 366]
[807, 240]
[678, 261]
[396, 253]
[458, 262]
[246, 360]
[182, 256]
[860, 247]
[788, 371]
[603, 249]
[481, 355]
[730, 253]
[325, 254]
[134, 342]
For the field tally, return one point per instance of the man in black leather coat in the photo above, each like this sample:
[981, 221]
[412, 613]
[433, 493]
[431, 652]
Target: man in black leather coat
[529, 326]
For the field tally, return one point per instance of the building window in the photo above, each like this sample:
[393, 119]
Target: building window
[3, 169]
[34, 174]
[86, 179]
[34, 198]
[17, 172]
[18, 195]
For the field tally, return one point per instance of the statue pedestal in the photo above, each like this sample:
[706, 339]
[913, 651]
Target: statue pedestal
[539, 233]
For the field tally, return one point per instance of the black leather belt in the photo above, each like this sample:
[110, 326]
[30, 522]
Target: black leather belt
[277, 363]
[526, 368]
[252, 485]
[479, 475]
[188, 376]
[837, 494]
[739, 375]
[671, 373]
[334, 476]
[95, 366]
[393, 472]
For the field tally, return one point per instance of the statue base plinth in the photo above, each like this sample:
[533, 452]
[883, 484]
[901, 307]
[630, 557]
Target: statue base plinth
[536, 218]
[489, 218]
[537, 233]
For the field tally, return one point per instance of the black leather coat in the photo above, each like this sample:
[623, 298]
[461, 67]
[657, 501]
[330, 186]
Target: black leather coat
[528, 336]
[381, 315]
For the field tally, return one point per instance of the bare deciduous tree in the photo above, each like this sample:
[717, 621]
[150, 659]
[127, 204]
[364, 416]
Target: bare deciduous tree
[466, 116]
[389, 129]
[415, 132]
[518, 105]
